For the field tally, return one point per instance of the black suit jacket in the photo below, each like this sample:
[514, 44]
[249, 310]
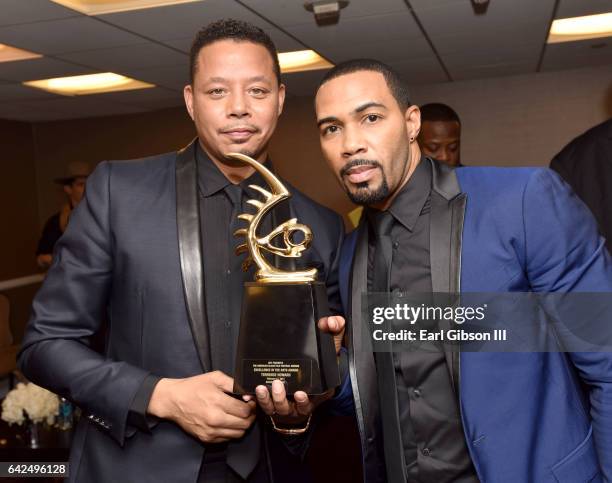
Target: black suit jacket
[586, 165]
[131, 256]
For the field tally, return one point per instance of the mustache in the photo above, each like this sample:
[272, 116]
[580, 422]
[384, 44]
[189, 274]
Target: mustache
[359, 162]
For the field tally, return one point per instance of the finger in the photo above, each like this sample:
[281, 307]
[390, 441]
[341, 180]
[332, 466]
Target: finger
[303, 405]
[264, 400]
[340, 323]
[228, 421]
[222, 381]
[279, 397]
[236, 407]
[334, 324]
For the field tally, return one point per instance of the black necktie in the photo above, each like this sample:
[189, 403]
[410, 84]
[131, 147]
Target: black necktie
[234, 193]
[243, 454]
[381, 223]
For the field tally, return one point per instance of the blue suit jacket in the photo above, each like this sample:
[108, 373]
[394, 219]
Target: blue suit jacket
[527, 417]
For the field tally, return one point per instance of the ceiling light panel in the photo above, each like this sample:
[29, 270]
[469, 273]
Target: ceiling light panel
[81, 85]
[99, 7]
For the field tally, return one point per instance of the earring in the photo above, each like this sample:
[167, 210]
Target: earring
[411, 138]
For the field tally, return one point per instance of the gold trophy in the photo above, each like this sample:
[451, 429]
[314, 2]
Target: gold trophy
[279, 337]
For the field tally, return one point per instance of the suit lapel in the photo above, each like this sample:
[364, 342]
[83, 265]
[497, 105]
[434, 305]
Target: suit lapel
[190, 250]
[362, 367]
[446, 228]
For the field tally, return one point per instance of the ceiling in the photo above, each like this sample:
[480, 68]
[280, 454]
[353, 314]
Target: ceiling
[427, 41]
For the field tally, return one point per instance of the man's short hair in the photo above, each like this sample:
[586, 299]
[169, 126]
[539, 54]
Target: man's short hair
[438, 112]
[230, 29]
[394, 82]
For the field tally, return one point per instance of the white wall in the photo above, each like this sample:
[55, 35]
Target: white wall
[523, 120]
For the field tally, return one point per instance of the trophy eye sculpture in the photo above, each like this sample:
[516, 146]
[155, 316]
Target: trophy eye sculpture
[255, 245]
[279, 338]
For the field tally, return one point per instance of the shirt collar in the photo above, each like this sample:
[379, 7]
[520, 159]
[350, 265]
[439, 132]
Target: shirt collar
[412, 199]
[211, 180]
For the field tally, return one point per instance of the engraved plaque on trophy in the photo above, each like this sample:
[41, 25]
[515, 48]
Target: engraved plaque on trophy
[279, 337]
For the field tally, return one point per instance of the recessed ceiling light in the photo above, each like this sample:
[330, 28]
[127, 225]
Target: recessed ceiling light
[11, 54]
[80, 85]
[580, 28]
[302, 60]
[99, 7]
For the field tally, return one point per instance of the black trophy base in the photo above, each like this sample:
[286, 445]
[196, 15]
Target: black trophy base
[279, 339]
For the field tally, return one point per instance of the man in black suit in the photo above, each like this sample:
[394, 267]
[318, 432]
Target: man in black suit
[586, 165]
[150, 250]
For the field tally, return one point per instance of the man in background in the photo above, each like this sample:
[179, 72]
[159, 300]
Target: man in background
[440, 136]
[73, 185]
[586, 165]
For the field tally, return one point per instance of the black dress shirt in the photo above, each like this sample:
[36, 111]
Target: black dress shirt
[432, 435]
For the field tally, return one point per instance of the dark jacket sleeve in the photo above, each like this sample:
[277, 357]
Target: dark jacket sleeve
[70, 308]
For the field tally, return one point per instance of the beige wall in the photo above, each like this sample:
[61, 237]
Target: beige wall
[98, 139]
[18, 212]
[524, 120]
[18, 201]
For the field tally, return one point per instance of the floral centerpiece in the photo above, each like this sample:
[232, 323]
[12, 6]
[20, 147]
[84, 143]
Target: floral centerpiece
[37, 403]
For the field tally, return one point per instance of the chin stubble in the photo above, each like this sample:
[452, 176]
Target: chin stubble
[364, 195]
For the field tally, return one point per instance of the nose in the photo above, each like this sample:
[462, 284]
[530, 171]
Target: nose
[443, 155]
[238, 106]
[352, 142]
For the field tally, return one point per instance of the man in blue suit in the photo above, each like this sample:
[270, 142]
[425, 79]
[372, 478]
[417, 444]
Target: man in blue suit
[461, 417]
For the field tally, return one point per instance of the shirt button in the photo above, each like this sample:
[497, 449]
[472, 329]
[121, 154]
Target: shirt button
[228, 323]
[228, 272]
[417, 393]
[395, 245]
[426, 451]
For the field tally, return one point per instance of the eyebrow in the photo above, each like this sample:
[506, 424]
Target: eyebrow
[359, 109]
[325, 120]
[257, 78]
[367, 105]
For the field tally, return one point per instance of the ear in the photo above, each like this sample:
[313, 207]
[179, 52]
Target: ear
[188, 95]
[413, 121]
[281, 98]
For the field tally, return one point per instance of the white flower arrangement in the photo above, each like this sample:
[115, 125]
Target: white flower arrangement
[38, 404]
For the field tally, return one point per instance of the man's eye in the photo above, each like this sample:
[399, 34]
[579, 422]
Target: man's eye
[258, 92]
[372, 118]
[216, 92]
[330, 129]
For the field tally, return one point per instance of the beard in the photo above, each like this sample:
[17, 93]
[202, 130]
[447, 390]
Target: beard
[363, 193]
